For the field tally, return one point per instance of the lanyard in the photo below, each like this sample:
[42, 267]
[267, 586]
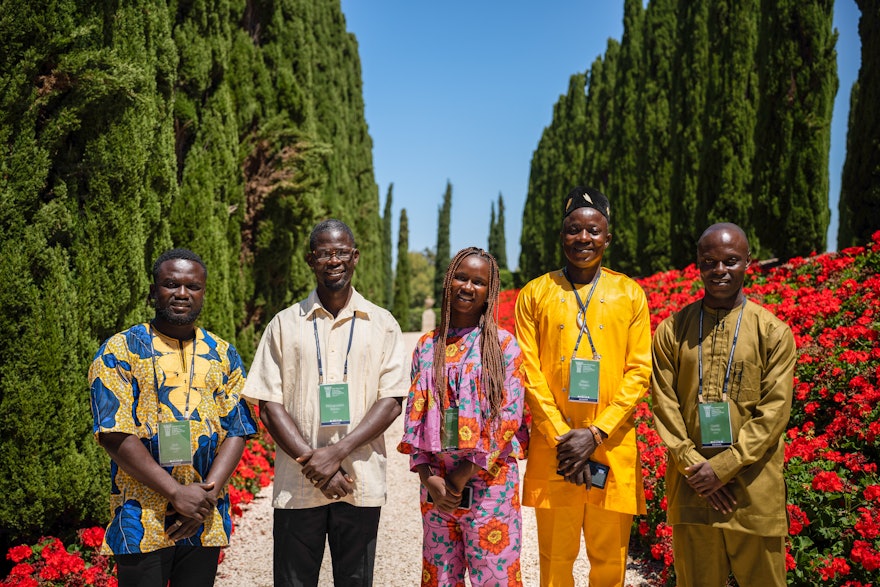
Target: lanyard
[729, 358]
[462, 363]
[192, 371]
[318, 347]
[582, 313]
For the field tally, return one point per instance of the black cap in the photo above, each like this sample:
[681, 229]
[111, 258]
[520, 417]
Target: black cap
[586, 197]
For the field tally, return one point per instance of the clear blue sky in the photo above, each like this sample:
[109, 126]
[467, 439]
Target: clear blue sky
[461, 90]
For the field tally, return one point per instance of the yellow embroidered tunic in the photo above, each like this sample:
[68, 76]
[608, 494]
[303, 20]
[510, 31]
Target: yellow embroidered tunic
[547, 330]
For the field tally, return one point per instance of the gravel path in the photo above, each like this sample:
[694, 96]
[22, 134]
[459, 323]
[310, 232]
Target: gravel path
[248, 560]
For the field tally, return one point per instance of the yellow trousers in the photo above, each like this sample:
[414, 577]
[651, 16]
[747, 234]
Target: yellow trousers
[705, 556]
[606, 535]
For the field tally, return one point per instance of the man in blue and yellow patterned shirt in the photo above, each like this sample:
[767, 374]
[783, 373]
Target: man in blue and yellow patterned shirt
[166, 408]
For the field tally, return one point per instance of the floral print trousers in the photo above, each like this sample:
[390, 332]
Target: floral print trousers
[484, 540]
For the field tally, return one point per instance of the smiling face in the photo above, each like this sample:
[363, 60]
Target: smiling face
[469, 291]
[723, 257]
[585, 237]
[179, 292]
[332, 272]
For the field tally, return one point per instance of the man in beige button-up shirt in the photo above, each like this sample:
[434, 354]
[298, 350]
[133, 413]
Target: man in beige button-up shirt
[330, 478]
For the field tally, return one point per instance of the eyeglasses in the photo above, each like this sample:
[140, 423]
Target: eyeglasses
[324, 255]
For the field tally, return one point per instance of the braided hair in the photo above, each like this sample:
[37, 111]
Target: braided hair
[492, 380]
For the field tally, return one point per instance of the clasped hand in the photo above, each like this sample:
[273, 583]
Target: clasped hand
[191, 504]
[445, 497]
[573, 455]
[323, 468]
[702, 479]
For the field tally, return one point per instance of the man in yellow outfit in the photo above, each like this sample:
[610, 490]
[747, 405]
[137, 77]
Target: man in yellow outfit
[723, 376]
[585, 336]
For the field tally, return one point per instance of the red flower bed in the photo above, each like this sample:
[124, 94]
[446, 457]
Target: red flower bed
[48, 562]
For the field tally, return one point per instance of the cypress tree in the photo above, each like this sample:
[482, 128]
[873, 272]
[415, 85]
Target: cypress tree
[798, 80]
[226, 128]
[654, 166]
[500, 252]
[208, 213]
[421, 286]
[727, 150]
[400, 308]
[860, 185]
[597, 163]
[493, 229]
[745, 116]
[443, 254]
[622, 188]
[86, 171]
[388, 273]
[688, 94]
[327, 73]
[550, 178]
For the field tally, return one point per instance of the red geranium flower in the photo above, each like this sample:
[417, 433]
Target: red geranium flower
[866, 556]
[92, 537]
[827, 481]
[831, 567]
[19, 553]
[797, 520]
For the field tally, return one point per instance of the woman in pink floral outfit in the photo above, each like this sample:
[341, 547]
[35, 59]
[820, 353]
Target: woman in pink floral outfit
[465, 434]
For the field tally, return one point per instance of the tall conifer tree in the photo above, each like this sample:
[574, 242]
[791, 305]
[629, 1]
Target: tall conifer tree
[400, 308]
[623, 132]
[387, 255]
[550, 177]
[443, 253]
[798, 80]
[725, 164]
[87, 171]
[688, 94]
[228, 129]
[654, 166]
[493, 229]
[500, 252]
[745, 116]
[860, 186]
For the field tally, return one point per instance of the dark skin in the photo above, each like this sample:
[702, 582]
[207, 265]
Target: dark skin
[178, 294]
[323, 466]
[468, 294]
[723, 257]
[585, 237]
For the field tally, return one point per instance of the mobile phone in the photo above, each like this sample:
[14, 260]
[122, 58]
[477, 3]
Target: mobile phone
[599, 474]
[467, 498]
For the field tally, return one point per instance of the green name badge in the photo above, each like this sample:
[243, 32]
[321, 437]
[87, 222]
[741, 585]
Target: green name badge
[334, 404]
[175, 446]
[715, 428]
[583, 384]
[449, 435]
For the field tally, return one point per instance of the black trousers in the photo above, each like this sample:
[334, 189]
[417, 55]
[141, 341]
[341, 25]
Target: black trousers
[299, 544]
[184, 566]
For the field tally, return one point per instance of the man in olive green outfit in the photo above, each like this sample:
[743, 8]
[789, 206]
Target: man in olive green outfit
[723, 374]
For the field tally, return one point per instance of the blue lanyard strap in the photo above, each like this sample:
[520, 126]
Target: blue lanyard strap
[729, 358]
[192, 371]
[347, 350]
[582, 313]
